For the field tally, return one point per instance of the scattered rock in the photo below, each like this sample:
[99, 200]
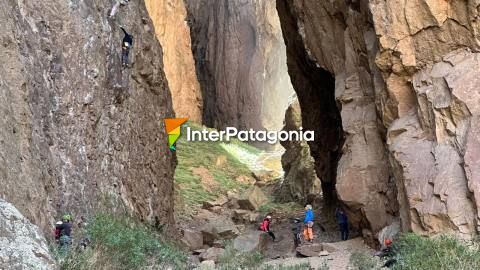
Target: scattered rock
[252, 241]
[193, 239]
[323, 253]
[264, 176]
[219, 244]
[252, 199]
[22, 244]
[212, 254]
[310, 250]
[220, 201]
[244, 216]
[243, 179]
[218, 228]
[208, 264]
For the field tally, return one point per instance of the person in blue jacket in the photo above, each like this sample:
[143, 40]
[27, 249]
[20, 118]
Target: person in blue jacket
[308, 224]
[342, 221]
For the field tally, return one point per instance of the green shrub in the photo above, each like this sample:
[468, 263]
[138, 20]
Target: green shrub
[233, 260]
[362, 260]
[414, 252]
[122, 243]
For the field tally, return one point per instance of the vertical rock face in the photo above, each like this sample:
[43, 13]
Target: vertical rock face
[169, 18]
[411, 146]
[22, 244]
[78, 132]
[300, 183]
[241, 65]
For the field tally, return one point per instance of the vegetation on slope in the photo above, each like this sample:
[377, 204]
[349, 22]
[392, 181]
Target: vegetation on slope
[206, 154]
[415, 252]
[122, 243]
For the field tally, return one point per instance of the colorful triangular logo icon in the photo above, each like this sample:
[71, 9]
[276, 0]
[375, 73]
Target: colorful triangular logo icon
[172, 126]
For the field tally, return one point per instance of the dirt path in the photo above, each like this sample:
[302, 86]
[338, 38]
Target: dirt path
[337, 260]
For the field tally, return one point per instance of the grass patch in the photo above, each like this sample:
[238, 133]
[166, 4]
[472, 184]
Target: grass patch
[204, 154]
[362, 260]
[122, 243]
[414, 252]
[233, 260]
[280, 208]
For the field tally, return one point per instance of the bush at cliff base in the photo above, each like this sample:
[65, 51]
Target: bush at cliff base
[414, 252]
[123, 243]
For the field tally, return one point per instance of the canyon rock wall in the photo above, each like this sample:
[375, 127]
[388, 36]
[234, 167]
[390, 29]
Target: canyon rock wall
[406, 85]
[241, 63]
[300, 183]
[169, 18]
[79, 133]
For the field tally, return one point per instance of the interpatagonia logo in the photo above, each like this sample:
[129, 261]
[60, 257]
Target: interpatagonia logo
[172, 126]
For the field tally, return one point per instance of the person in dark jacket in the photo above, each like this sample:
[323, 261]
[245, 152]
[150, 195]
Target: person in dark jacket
[265, 226]
[342, 221]
[297, 230]
[127, 44]
[65, 230]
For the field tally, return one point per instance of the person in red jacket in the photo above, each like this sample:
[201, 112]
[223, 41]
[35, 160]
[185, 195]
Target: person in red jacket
[265, 226]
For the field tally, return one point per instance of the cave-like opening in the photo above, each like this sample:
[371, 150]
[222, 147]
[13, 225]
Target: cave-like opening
[315, 88]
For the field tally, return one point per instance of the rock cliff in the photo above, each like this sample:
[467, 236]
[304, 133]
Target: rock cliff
[401, 80]
[241, 63]
[169, 18]
[22, 244]
[79, 133]
[300, 183]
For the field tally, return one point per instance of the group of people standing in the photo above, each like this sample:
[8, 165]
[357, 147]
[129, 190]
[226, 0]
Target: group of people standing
[305, 228]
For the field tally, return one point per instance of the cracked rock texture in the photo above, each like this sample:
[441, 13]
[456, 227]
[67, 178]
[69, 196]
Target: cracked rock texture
[300, 183]
[22, 244]
[79, 133]
[406, 84]
[241, 63]
[169, 18]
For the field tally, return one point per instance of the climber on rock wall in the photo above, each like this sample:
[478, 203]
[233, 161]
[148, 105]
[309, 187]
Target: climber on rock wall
[127, 44]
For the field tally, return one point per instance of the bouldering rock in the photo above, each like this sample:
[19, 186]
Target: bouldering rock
[212, 254]
[220, 201]
[251, 241]
[312, 250]
[252, 199]
[22, 244]
[193, 239]
[244, 216]
[218, 228]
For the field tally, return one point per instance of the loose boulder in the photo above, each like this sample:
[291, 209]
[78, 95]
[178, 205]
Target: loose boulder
[244, 216]
[252, 241]
[252, 199]
[218, 228]
[193, 239]
[22, 244]
[212, 254]
[310, 250]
